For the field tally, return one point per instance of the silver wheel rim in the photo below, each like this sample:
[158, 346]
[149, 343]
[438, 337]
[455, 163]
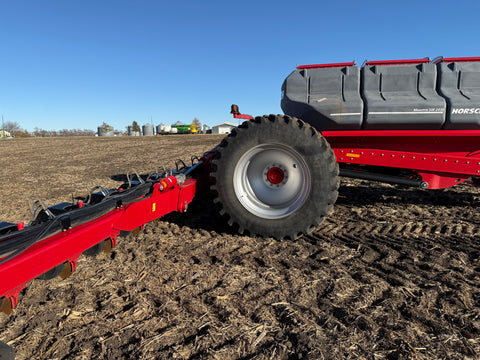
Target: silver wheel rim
[252, 181]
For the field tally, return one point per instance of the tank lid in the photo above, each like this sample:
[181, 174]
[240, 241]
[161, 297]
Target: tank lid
[398, 62]
[319, 66]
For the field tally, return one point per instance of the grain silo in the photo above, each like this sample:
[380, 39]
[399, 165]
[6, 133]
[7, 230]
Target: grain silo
[148, 130]
[102, 132]
[131, 132]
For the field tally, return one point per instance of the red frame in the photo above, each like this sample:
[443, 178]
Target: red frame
[442, 158]
[242, 116]
[461, 59]
[323, 66]
[398, 62]
[391, 62]
[67, 246]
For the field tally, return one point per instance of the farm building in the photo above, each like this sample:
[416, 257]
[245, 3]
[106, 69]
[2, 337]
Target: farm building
[223, 128]
[5, 134]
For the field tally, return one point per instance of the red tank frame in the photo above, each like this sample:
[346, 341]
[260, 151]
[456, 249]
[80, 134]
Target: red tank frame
[442, 158]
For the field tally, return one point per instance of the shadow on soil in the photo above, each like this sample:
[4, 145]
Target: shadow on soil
[373, 193]
[202, 214]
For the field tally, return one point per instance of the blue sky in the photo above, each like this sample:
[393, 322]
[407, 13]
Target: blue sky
[76, 64]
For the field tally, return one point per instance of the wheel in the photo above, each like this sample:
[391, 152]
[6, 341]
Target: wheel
[6, 352]
[275, 176]
[52, 273]
[95, 249]
[5, 306]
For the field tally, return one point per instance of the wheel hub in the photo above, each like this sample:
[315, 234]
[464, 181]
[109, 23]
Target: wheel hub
[272, 189]
[275, 175]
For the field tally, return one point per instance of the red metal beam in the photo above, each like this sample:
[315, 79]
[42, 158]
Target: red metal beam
[323, 66]
[67, 246]
[403, 133]
[55, 250]
[461, 59]
[442, 157]
[453, 164]
[398, 62]
[243, 116]
[159, 204]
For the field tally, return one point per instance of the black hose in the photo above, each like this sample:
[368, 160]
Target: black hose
[16, 243]
[383, 178]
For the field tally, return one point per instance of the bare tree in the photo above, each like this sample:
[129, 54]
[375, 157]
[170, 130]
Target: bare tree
[196, 125]
[11, 126]
[64, 132]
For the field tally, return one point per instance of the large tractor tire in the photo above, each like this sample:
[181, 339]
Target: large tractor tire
[275, 176]
[6, 352]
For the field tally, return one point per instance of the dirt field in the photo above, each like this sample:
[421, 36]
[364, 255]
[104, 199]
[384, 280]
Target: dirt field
[393, 273]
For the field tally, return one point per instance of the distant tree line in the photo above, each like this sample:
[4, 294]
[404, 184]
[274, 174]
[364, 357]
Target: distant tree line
[37, 132]
[16, 130]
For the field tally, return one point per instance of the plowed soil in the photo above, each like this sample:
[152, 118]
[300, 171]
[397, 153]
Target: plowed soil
[393, 273]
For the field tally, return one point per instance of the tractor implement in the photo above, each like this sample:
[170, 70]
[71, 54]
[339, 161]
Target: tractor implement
[52, 242]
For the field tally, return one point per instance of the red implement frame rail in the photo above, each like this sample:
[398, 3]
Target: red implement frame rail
[65, 247]
[442, 158]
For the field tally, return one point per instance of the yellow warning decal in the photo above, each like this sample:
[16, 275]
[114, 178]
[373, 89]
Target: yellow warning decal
[353, 155]
[154, 206]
